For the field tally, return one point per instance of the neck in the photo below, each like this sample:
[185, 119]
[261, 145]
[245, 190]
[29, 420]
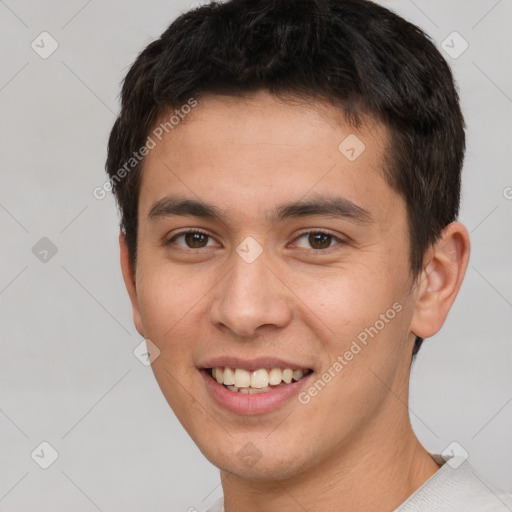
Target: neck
[374, 476]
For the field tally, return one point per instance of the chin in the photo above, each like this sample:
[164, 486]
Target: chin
[257, 460]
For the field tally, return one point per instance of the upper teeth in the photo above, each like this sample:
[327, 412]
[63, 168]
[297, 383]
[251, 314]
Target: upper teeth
[259, 379]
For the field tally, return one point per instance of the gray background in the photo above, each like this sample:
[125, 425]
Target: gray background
[68, 374]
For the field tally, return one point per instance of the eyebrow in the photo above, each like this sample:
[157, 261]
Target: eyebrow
[338, 207]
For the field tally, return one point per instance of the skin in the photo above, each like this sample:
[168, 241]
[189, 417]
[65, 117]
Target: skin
[351, 447]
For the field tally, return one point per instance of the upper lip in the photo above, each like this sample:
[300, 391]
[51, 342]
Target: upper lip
[251, 364]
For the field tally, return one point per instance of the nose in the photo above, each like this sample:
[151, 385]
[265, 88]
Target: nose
[251, 299]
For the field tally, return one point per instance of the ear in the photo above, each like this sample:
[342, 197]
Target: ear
[129, 281]
[444, 269]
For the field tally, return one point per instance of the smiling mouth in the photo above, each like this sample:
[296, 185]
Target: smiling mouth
[262, 380]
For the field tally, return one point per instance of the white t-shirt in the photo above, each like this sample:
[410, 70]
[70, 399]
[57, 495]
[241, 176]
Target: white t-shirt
[455, 487]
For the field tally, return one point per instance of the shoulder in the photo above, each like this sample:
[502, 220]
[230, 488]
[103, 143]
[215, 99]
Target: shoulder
[457, 487]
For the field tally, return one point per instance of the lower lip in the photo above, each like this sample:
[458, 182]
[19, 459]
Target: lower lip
[257, 403]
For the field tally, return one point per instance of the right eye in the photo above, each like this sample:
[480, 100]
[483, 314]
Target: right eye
[193, 239]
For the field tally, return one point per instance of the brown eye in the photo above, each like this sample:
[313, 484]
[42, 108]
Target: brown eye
[319, 240]
[195, 240]
[192, 239]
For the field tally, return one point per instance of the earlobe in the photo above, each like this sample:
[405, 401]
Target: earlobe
[129, 281]
[441, 279]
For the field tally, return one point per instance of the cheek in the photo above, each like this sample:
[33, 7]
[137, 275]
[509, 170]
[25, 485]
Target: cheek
[335, 303]
[170, 300]
[347, 299]
[360, 319]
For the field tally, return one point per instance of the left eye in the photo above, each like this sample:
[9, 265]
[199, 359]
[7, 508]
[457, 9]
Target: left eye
[319, 240]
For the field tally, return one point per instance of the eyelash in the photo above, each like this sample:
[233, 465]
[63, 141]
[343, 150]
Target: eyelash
[300, 235]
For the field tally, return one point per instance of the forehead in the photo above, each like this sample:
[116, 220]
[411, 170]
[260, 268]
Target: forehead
[248, 154]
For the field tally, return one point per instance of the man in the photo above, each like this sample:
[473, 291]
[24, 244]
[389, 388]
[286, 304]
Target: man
[288, 176]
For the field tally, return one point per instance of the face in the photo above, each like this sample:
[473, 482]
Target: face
[263, 247]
